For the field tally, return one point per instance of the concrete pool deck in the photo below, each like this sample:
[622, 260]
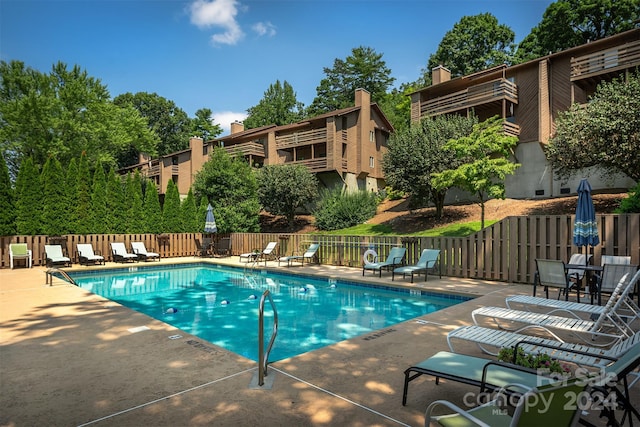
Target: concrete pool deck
[72, 358]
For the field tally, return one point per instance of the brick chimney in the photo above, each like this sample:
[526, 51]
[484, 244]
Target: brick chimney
[237, 127]
[439, 75]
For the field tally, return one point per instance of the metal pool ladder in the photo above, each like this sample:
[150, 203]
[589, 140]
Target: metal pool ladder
[263, 357]
[52, 271]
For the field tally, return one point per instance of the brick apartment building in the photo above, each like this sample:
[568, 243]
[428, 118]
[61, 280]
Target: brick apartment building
[530, 96]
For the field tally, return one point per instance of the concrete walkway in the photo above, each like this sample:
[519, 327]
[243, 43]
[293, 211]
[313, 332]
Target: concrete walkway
[72, 358]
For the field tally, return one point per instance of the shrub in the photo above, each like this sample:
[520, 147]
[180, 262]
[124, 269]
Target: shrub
[631, 204]
[338, 209]
[533, 361]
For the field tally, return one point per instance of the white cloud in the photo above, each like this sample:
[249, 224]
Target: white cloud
[264, 28]
[218, 13]
[225, 118]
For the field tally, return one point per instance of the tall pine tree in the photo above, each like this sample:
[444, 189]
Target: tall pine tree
[171, 218]
[71, 188]
[7, 205]
[133, 200]
[83, 202]
[29, 206]
[99, 202]
[189, 213]
[116, 209]
[152, 209]
[54, 218]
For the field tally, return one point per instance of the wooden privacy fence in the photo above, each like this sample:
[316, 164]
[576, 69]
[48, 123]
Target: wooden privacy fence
[505, 251]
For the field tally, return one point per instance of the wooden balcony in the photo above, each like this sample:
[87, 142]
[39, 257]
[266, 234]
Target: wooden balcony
[153, 170]
[485, 93]
[252, 148]
[609, 61]
[318, 164]
[314, 136]
[511, 129]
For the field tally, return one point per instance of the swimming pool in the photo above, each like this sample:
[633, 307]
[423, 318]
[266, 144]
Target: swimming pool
[220, 304]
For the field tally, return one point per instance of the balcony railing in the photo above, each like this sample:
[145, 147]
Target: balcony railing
[495, 90]
[251, 148]
[315, 136]
[606, 61]
[511, 129]
[314, 165]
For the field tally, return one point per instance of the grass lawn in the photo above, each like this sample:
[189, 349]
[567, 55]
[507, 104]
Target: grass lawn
[453, 230]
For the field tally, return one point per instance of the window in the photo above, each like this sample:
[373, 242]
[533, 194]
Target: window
[372, 136]
[204, 149]
[372, 162]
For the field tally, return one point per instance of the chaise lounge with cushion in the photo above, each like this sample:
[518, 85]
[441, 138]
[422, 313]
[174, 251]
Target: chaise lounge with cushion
[55, 257]
[86, 255]
[140, 250]
[120, 254]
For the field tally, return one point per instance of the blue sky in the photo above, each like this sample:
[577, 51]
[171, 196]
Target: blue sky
[224, 54]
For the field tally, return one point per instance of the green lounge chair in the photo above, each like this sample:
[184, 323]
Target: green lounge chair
[20, 251]
[395, 259]
[550, 405]
[427, 261]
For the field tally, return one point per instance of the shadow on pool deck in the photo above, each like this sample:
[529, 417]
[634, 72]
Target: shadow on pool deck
[70, 358]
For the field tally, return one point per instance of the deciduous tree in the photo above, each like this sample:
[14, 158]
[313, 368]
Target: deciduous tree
[284, 189]
[603, 133]
[486, 152]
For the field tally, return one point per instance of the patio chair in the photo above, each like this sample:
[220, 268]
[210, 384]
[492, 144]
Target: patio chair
[266, 254]
[223, 247]
[87, 256]
[55, 257]
[611, 274]
[616, 325]
[311, 255]
[553, 404]
[120, 254]
[394, 259]
[427, 261]
[552, 274]
[20, 251]
[577, 275]
[140, 249]
[204, 249]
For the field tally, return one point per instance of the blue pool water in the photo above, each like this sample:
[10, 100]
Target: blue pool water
[220, 305]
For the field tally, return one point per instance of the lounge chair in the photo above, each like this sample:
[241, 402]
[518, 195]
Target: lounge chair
[492, 375]
[54, 256]
[266, 253]
[140, 249]
[608, 318]
[87, 256]
[120, 254]
[395, 259]
[311, 255]
[551, 405]
[552, 274]
[427, 261]
[20, 251]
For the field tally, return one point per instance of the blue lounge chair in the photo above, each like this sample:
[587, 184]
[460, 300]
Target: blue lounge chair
[310, 255]
[427, 261]
[395, 259]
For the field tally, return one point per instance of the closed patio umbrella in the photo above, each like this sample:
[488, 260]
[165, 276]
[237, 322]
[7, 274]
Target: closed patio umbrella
[585, 228]
[210, 221]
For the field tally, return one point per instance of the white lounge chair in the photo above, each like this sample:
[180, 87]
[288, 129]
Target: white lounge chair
[87, 256]
[394, 259]
[427, 261]
[266, 253]
[54, 256]
[608, 318]
[120, 254]
[310, 255]
[20, 251]
[140, 250]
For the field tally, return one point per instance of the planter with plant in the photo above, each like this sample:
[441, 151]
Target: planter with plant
[533, 361]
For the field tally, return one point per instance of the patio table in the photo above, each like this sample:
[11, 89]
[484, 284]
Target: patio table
[589, 270]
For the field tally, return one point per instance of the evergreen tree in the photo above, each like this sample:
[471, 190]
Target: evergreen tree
[133, 198]
[171, 219]
[54, 218]
[202, 214]
[99, 202]
[116, 210]
[28, 199]
[189, 213]
[152, 209]
[83, 204]
[72, 195]
[7, 202]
